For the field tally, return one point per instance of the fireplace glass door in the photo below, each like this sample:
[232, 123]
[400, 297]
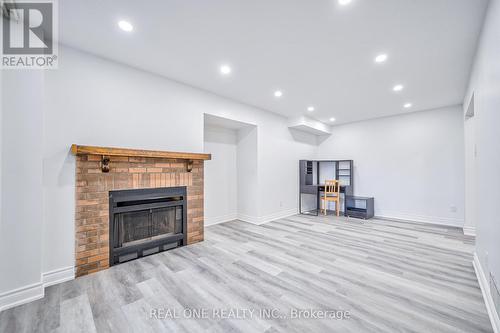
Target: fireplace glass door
[146, 221]
[166, 221]
[137, 226]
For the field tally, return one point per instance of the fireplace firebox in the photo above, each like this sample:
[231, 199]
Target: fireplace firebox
[146, 221]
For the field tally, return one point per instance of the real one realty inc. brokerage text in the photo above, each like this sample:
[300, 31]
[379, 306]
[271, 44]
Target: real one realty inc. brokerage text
[241, 313]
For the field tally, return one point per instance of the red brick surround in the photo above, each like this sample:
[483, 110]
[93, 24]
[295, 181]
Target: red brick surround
[92, 202]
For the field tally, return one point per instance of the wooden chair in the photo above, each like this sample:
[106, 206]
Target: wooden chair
[332, 193]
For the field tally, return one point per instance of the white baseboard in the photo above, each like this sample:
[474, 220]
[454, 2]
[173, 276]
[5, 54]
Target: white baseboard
[248, 218]
[220, 219]
[35, 291]
[277, 215]
[398, 216]
[267, 218]
[469, 231]
[58, 276]
[21, 295]
[485, 289]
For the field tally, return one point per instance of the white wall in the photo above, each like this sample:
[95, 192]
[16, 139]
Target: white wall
[21, 177]
[220, 175]
[470, 175]
[485, 84]
[248, 177]
[412, 164]
[93, 101]
[279, 152]
[1, 150]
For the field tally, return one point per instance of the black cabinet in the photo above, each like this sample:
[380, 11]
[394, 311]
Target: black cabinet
[360, 207]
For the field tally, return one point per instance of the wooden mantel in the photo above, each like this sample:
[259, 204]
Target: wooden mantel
[108, 151]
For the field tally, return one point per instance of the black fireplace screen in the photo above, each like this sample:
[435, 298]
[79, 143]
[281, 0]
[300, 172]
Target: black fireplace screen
[146, 221]
[133, 227]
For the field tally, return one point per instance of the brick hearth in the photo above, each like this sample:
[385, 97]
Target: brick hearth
[92, 202]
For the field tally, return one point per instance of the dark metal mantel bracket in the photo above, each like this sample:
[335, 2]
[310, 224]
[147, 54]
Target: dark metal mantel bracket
[105, 163]
[189, 165]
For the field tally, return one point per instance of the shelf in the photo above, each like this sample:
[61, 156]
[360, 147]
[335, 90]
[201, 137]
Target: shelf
[355, 209]
[309, 125]
[108, 151]
[362, 207]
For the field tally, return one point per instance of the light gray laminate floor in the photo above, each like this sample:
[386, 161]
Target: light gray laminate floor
[389, 276]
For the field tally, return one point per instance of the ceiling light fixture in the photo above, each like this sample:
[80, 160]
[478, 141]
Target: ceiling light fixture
[225, 70]
[126, 26]
[398, 87]
[278, 93]
[381, 58]
[344, 2]
[332, 119]
[407, 105]
[310, 108]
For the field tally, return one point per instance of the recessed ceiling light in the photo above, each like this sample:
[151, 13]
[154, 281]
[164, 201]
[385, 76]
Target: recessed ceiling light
[225, 69]
[398, 87]
[278, 93]
[381, 58]
[344, 2]
[310, 108]
[407, 105]
[126, 26]
[332, 119]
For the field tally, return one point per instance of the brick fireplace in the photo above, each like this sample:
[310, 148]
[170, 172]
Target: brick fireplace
[100, 170]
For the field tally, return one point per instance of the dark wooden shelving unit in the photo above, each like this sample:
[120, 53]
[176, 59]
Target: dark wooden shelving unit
[310, 176]
[360, 207]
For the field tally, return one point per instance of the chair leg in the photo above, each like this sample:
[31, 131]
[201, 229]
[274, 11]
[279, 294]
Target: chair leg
[338, 208]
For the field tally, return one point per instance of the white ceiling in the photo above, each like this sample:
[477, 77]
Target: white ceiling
[317, 52]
